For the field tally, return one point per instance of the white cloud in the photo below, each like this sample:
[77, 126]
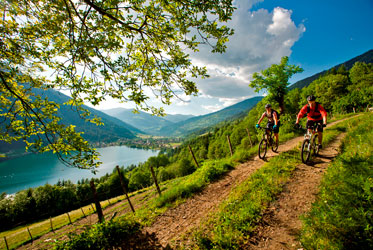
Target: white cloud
[261, 38]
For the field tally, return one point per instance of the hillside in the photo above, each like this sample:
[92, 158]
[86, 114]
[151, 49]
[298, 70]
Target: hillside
[148, 123]
[367, 57]
[112, 130]
[204, 121]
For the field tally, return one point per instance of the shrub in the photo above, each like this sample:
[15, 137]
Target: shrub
[107, 235]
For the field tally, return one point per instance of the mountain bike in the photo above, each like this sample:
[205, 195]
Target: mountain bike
[310, 144]
[268, 140]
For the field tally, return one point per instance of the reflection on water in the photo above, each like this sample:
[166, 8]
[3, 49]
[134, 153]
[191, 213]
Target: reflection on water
[35, 170]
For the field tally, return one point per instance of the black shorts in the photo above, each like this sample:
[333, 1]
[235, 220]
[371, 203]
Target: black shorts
[270, 126]
[311, 124]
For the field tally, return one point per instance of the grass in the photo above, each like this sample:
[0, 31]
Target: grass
[238, 216]
[177, 191]
[341, 218]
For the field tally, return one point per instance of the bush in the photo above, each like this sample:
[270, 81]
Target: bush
[107, 235]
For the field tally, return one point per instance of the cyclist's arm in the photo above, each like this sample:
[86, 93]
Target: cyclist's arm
[301, 113]
[261, 118]
[275, 118]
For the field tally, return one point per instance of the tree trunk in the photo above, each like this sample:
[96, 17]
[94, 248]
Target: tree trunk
[281, 105]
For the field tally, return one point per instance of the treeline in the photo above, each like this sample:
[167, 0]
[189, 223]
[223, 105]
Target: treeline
[339, 91]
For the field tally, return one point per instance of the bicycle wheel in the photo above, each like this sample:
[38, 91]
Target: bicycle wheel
[274, 145]
[316, 145]
[262, 148]
[306, 151]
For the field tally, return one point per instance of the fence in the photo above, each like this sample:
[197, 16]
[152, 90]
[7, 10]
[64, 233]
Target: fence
[34, 231]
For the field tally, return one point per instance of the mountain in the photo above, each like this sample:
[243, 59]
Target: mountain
[367, 57]
[204, 121]
[146, 122]
[177, 118]
[112, 130]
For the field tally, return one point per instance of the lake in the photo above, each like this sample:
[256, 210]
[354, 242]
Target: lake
[35, 170]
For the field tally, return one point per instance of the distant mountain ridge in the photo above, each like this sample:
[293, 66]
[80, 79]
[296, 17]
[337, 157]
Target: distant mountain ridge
[113, 129]
[367, 57]
[146, 122]
[204, 121]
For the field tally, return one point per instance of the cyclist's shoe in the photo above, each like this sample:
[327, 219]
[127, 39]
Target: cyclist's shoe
[320, 146]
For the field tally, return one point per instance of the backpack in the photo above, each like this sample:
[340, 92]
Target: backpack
[277, 113]
[316, 111]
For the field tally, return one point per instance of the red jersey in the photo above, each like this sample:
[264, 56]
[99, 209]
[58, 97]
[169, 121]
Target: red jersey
[314, 114]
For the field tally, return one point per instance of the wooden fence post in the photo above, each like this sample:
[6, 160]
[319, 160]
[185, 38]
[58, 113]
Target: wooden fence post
[230, 145]
[97, 202]
[248, 133]
[155, 180]
[50, 219]
[69, 217]
[124, 188]
[32, 240]
[6, 243]
[83, 212]
[194, 158]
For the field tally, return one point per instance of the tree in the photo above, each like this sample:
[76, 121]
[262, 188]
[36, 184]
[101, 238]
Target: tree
[97, 49]
[275, 80]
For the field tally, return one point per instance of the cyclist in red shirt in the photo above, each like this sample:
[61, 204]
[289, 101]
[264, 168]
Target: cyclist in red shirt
[316, 116]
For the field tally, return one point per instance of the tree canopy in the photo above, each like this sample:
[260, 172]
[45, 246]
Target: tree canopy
[275, 80]
[127, 50]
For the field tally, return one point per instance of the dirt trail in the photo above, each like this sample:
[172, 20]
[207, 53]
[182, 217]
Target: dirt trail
[169, 227]
[281, 225]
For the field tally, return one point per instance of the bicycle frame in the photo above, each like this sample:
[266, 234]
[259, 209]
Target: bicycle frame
[267, 141]
[309, 144]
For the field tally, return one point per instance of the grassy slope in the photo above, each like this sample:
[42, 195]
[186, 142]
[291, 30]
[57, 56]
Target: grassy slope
[179, 189]
[239, 214]
[341, 218]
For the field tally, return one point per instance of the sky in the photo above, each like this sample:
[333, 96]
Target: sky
[315, 34]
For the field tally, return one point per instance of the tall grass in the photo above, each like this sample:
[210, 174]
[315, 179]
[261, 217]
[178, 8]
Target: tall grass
[238, 216]
[342, 216]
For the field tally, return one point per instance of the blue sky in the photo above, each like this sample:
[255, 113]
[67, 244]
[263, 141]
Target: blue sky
[315, 34]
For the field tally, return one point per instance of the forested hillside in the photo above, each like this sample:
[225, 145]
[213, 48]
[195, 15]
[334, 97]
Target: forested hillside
[113, 130]
[367, 57]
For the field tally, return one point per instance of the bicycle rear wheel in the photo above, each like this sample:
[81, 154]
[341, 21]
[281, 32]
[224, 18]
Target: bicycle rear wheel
[262, 148]
[316, 145]
[306, 151]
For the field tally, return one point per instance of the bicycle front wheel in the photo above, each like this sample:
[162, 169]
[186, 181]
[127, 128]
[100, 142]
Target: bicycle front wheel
[262, 148]
[316, 145]
[306, 151]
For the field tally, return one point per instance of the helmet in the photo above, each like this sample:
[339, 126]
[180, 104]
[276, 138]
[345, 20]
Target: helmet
[311, 98]
[268, 105]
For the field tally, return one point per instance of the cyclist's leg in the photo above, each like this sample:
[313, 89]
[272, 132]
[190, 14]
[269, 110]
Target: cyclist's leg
[275, 132]
[310, 125]
[320, 132]
[269, 127]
